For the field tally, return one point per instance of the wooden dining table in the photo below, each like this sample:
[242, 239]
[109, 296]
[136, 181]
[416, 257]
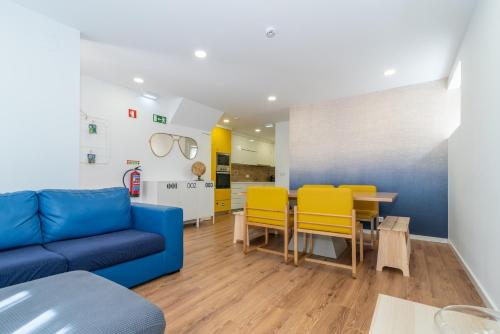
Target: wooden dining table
[381, 197]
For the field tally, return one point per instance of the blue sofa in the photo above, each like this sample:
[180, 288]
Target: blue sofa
[53, 231]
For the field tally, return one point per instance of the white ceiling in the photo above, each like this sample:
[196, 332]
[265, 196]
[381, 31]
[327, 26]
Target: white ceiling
[324, 49]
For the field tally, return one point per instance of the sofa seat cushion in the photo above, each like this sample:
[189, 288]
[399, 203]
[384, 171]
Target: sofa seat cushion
[29, 263]
[101, 251]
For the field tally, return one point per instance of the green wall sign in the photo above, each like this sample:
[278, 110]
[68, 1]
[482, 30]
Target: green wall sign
[159, 119]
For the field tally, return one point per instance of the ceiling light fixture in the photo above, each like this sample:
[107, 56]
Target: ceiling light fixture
[200, 53]
[252, 140]
[271, 32]
[269, 125]
[271, 98]
[390, 72]
[150, 96]
[226, 120]
[138, 80]
[257, 130]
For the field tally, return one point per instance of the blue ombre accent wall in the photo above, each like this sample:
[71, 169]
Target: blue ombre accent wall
[395, 139]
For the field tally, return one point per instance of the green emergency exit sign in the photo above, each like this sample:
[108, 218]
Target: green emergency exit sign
[159, 119]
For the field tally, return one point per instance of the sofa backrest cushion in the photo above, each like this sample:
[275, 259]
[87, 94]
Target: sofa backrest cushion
[19, 222]
[70, 214]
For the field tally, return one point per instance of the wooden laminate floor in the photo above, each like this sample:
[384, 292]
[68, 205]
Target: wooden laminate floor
[220, 290]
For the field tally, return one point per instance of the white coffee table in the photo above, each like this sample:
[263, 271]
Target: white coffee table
[395, 316]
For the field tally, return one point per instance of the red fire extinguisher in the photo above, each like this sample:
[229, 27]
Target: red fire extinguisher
[134, 182]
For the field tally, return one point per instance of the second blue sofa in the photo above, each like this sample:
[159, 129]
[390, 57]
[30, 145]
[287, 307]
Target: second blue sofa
[54, 231]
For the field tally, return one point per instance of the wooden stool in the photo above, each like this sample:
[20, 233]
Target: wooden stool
[239, 225]
[394, 244]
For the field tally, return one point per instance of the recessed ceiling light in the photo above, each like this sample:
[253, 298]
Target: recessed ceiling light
[269, 125]
[138, 80]
[150, 96]
[226, 120]
[390, 72]
[257, 130]
[200, 53]
[252, 140]
[271, 98]
[271, 32]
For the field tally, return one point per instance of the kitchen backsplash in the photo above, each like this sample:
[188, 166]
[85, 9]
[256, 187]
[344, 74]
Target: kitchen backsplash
[251, 173]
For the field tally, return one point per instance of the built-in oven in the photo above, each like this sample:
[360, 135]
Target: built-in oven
[223, 171]
[222, 180]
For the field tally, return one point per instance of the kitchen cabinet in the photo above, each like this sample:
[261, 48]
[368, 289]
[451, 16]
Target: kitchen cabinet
[238, 188]
[252, 153]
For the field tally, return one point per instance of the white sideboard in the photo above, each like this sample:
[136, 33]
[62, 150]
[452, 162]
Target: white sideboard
[196, 198]
[237, 190]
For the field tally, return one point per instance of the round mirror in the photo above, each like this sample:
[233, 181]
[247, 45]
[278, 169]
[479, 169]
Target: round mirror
[189, 147]
[161, 144]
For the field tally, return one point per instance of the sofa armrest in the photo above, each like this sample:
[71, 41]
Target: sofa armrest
[163, 220]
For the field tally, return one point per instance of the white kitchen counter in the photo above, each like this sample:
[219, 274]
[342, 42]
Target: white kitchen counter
[247, 182]
[237, 188]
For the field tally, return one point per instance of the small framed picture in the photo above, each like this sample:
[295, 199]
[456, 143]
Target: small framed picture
[91, 158]
[92, 128]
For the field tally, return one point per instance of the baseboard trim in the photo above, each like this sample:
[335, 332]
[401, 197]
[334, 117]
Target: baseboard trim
[420, 237]
[479, 287]
[426, 238]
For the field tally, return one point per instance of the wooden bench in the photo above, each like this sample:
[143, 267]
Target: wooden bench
[394, 244]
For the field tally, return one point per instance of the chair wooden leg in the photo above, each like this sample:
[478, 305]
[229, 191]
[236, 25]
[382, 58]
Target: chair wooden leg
[311, 249]
[285, 241]
[354, 262]
[353, 244]
[361, 245]
[245, 238]
[295, 248]
[372, 230]
[266, 233]
[306, 243]
[295, 238]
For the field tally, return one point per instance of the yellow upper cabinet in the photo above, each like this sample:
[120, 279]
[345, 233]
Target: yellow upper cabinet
[221, 140]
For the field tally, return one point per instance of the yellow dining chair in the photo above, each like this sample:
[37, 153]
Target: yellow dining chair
[365, 211]
[267, 207]
[310, 241]
[327, 211]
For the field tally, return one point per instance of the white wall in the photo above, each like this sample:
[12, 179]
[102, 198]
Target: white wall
[282, 154]
[128, 138]
[474, 159]
[39, 104]
[244, 151]
[395, 139]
